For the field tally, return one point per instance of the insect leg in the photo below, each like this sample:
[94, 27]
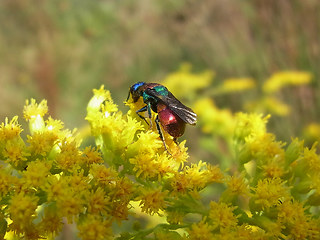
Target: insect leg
[142, 110]
[149, 114]
[175, 140]
[160, 133]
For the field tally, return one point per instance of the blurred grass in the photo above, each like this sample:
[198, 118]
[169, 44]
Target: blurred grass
[60, 50]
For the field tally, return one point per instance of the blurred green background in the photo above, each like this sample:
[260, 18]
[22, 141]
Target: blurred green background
[60, 50]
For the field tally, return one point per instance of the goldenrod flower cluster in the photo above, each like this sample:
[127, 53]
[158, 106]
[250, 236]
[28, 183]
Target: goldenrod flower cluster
[47, 178]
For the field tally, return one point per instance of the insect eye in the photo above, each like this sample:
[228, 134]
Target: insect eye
[137, 85]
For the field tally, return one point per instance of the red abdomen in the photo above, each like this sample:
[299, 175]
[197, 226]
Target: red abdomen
[170, 122]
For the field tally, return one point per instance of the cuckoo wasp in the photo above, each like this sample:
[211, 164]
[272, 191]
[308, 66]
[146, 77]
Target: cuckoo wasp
[172, 114]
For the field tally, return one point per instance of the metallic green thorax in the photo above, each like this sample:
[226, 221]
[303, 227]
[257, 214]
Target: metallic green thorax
[161, 90]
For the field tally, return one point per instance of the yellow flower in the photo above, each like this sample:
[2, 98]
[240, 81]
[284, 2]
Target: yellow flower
[119, 211]
[221, 215]
[22, 209]
[53, 125]
[41, 143]
[10, 130]
[70, 205]
[213, 120]
[192, 179]
[32, 109]
[101, 100]
[36, 174]
[213, 174]
[148, 143]
[123, 190]
[34, 113]
[274, 168]
[268, 192]
[7, 182]
[248, 125]
[311, 159]
[94, 228]
[201, 231]
[69, 158]
[103, 175]
[152, 200]
[264, 147]
[178, 152]
[97, 202]
[51, 223]
[237, 186]
[78, 182]
[91, 156]
[15, 152]
[298, 223]
[286, 78]
[191, 81]
[112, 130]
[56, 187]
[290, 211]
[235, 85]
[152, 167]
